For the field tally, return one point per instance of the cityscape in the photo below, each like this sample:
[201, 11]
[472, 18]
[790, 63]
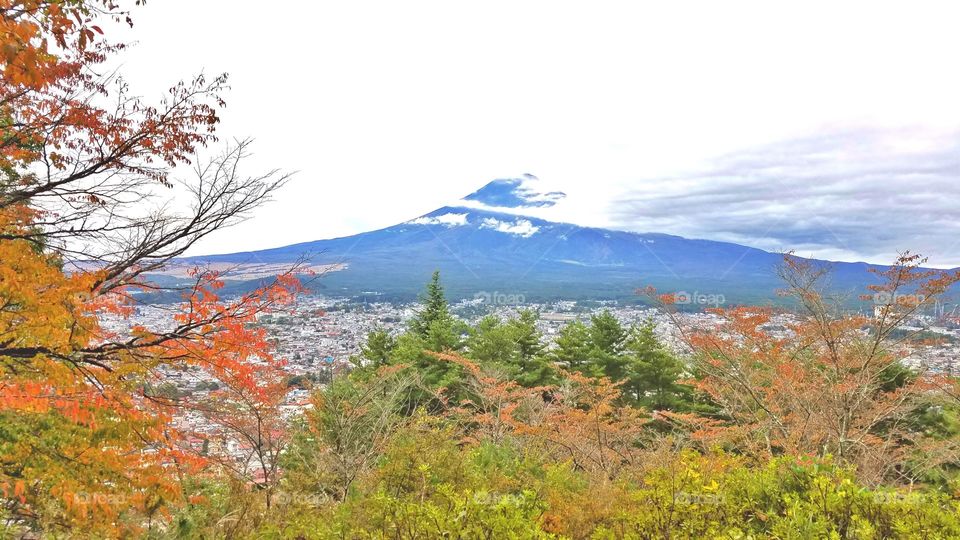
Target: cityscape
[320, 338]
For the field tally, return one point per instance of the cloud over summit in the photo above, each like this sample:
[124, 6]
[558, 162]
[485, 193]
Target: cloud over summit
[515, 193]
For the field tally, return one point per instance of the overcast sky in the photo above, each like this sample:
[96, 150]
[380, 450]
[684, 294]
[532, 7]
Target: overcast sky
[829, 128]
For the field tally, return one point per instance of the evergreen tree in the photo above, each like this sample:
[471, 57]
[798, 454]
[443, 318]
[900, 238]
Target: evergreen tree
[534, 368]
[492, 342]
[515, 346]
[573, 347]
[433, 309]
[436, 327]
[607, 338]
[444, 334]
[528, 338]
[433, 329]
[607, 334]
[636, 357]
[379, 347]
[651, 373]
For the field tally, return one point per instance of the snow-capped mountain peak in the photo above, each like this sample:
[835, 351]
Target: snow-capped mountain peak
[514, 195]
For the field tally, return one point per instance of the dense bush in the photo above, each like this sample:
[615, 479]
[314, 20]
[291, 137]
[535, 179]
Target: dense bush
[428, 484]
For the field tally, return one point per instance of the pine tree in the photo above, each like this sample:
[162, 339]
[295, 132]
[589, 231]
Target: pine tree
[433, 329]
[434, 308]
[607, 334]
[492, 342]
[605, 341]
[528, 339]
[433, 324]
[651, 373]
[514, 346]
[573, 348]
[379, 347]
[534, 368]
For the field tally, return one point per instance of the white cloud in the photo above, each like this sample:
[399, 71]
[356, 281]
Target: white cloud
[447, 220]
[520, 227]
[859, 194]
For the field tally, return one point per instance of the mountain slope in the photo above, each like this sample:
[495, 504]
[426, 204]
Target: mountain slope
[479, 250]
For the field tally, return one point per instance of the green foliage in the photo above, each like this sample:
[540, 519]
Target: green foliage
[345, 432]
[515, 347]
[896, 375]
[648, 370]
[444, 334]
[529, 342]
[607, 335]
[379, 348]
[412, 351]
[492, 342]
[434, 324]
[573, 347]
[715, 496]
[533, 367]
[650, 373]
[429, 485]
[433, 329]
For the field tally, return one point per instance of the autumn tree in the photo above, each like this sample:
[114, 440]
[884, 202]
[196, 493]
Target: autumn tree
[581, 420]
[86, 210]
[252, 432]
[832, 383]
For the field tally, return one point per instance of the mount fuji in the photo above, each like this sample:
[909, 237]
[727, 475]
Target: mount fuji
[498, 239]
